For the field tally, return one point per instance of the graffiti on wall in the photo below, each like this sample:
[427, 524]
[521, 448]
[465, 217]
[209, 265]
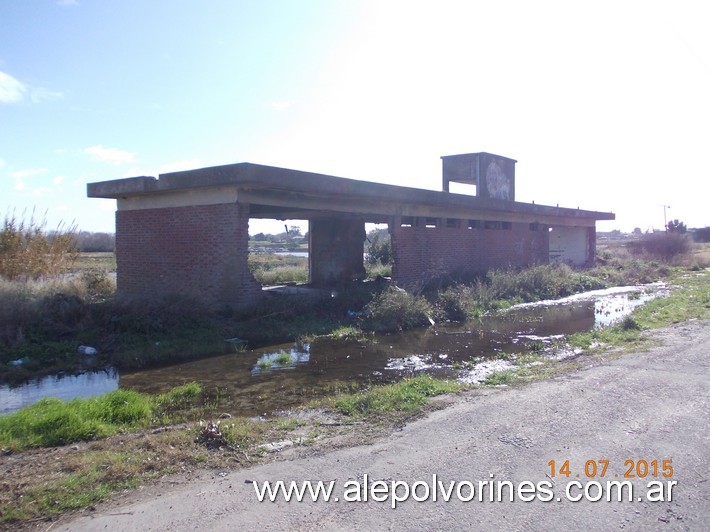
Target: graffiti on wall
[497, 183]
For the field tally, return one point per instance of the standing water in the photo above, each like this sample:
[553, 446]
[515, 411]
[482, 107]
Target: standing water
[260, 381]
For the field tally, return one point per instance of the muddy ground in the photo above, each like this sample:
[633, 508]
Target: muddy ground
[650, 405]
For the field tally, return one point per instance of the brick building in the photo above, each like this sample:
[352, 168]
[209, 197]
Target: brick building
[187, 232]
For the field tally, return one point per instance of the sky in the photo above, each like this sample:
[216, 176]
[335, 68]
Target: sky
[604, 104]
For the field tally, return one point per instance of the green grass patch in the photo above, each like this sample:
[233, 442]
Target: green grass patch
[407, 395]
[502, 378]
[351, 333]
[52, 422]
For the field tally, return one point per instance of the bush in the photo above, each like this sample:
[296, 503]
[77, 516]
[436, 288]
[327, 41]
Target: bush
[28, 252]
[662, 246]
[396, 310]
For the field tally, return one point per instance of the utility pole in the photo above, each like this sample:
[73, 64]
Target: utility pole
[665, 221]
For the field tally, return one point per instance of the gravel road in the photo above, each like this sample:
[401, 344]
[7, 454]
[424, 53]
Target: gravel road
[646, 406]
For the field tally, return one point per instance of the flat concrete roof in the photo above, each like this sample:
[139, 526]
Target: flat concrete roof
[284, 193]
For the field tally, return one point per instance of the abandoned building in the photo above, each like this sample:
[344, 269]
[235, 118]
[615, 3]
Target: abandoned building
[187, 232]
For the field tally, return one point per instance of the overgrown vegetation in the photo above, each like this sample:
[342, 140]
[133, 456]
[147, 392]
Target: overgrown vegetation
[395, 310]
[663, 246]
[44, 321]
[270, 269]
[42, 324]
[28, 251]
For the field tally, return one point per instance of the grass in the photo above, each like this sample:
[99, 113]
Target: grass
[271, 269]
[51, 421]
[405, 396]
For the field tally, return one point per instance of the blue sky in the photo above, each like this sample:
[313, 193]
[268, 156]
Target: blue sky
[604, 104]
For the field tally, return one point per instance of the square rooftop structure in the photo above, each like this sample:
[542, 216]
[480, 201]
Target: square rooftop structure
[493, 175]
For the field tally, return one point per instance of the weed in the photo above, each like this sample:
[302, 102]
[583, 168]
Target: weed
[264, 364]
[407, 395]
[282, 359]
[502, 378]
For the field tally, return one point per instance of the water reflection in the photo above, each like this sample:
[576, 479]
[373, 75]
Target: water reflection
[62, 386]
[260, 381]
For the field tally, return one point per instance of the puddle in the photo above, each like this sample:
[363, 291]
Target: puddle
[62, 386]
[261, 381]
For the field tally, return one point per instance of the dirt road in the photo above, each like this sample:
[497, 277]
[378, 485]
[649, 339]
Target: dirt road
[644, 406]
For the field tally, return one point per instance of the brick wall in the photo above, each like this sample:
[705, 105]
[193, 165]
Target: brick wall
[430, 248]
[198, 251]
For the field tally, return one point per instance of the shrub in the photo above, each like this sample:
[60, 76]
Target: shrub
[27, 251]
[662, 246]
[396, 310]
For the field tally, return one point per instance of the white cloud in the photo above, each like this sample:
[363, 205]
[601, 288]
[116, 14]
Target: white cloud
[14, 91]
[58, 180]
[21, 175]
[110, 155]
[27, 172]
[40, 191]
[2, 163]
[40, 94]
[11, 90]
[65, 3]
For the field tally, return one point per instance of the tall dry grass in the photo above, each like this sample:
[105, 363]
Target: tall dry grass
[29, 251]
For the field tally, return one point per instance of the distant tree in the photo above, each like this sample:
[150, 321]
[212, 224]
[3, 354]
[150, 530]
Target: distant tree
[702, 235]
[92, 242]
[676, 226]
[637, 231]
[378, 247]
[294, 230]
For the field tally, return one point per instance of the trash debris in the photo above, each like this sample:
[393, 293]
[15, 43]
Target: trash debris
[19, 361]
[87, 350]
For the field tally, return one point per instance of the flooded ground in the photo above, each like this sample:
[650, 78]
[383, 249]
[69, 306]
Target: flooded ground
[261, 381]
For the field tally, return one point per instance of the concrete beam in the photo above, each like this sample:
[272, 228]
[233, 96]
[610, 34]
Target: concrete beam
[293, 189]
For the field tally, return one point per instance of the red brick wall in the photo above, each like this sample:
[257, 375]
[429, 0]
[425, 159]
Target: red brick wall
[198, 251]
[422, 253]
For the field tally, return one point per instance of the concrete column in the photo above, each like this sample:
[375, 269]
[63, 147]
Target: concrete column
[335, 250]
